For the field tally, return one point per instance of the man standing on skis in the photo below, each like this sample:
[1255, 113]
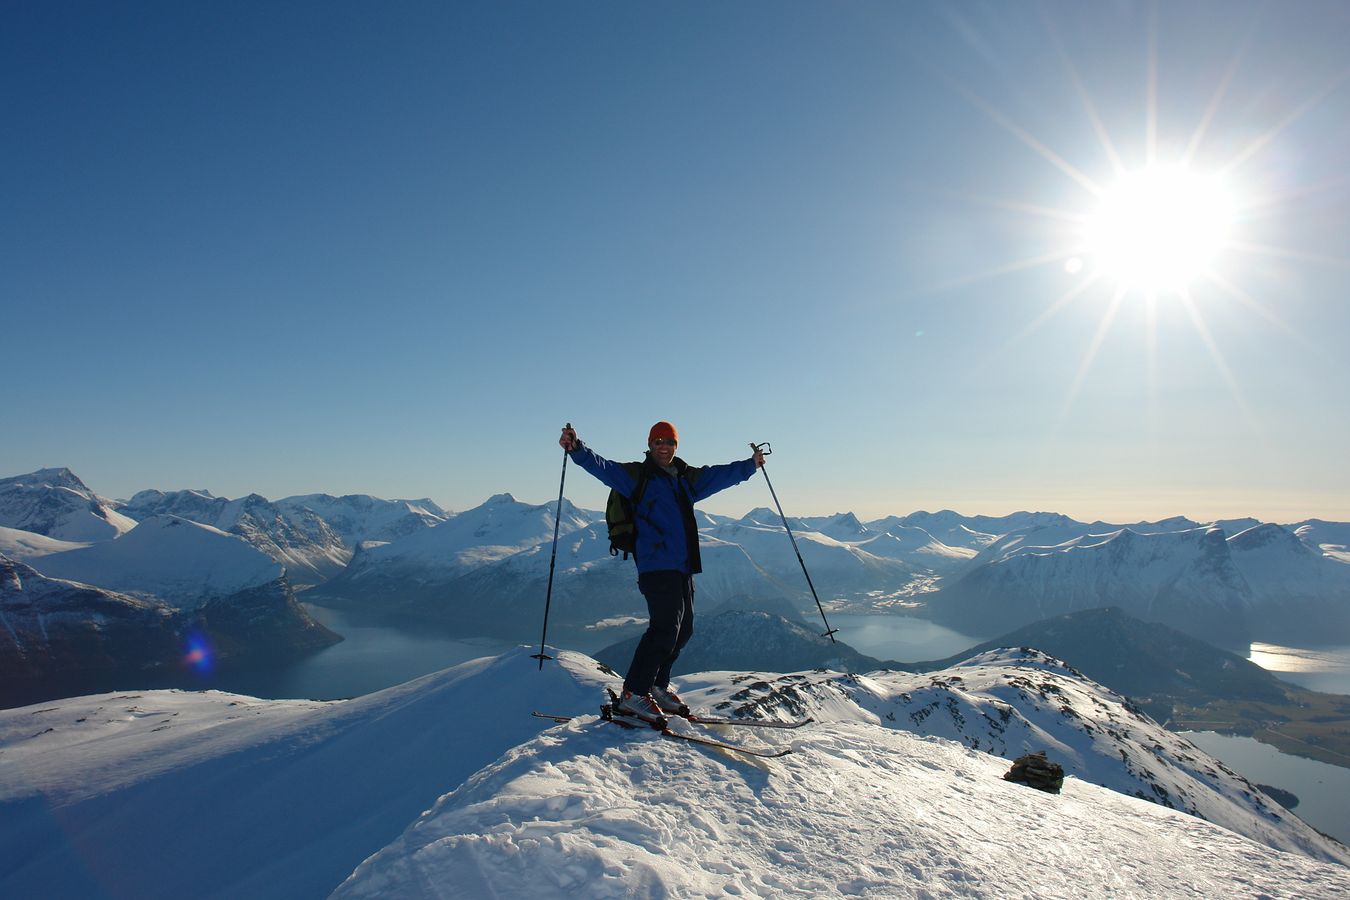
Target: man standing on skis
[666, 554]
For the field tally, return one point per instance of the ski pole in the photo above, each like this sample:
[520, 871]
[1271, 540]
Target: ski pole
[767, 449]
[548, 597]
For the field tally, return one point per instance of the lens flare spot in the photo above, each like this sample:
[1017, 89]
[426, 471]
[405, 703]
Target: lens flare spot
[199, 655]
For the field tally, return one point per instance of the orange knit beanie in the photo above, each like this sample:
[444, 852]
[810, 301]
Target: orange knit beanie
[663, 430]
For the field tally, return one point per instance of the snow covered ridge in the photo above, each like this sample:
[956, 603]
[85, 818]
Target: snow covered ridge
[892, 792]
[856, 811]
[1012, 701]
[55, 503]
[870, 803]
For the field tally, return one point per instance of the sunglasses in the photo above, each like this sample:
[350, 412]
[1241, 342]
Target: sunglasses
[665, 442]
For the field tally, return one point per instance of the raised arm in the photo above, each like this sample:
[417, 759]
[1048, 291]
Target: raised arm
[611, 474]
[711, 479]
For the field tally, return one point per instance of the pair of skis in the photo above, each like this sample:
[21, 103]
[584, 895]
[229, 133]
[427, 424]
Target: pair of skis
[608, 714]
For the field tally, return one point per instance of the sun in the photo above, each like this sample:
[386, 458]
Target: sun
[1160, 228]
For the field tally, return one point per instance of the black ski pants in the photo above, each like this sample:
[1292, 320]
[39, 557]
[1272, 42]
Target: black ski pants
[670, 609]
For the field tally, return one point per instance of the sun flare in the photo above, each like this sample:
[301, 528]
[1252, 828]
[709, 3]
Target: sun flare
[1160, 228]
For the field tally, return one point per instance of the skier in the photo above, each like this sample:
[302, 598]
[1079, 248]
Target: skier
[666, 554]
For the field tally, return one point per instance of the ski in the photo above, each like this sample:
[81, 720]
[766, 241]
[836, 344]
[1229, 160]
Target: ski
[638, 724]
[635, 723]
[700, 719]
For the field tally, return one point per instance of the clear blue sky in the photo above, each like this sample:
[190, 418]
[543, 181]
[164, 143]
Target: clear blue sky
[391, 248]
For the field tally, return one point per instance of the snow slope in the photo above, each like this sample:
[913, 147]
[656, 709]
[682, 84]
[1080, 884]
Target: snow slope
[172, 794]
[174, 559]
[855, 811]
[1332, 538]
[1011, 701]
[21, 545]
[166, 794]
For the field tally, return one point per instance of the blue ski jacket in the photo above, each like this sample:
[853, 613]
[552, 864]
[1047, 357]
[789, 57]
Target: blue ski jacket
[667, 534]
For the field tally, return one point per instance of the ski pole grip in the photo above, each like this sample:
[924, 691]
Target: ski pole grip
[764, 447]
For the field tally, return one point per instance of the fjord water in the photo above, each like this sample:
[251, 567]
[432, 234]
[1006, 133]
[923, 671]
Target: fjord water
[370, 657]
[1323, 790]
[1325, 669]
[900, 638]
[376, 656]
[373, 657]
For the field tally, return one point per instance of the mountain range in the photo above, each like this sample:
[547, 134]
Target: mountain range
[485, 570]
[313, 536]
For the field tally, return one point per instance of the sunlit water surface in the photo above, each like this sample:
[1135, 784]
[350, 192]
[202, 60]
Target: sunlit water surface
[1325, 669]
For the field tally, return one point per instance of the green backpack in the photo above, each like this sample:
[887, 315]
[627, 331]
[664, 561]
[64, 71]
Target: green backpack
[619, 514]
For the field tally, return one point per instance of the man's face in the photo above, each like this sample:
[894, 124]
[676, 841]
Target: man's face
[663, 450]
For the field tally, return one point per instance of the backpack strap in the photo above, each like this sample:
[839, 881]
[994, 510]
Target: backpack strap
[621, 512]
[640, 477]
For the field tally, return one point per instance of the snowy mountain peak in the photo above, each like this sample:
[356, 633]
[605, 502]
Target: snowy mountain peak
[426, 506]
[1268, 535]
[842, 525]
[760, 515]
[1175, 523]
[57, 504]
[59, 476]
[152, 497]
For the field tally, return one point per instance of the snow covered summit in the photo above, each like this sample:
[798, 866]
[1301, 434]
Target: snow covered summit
[892, 792]
[57, 504]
